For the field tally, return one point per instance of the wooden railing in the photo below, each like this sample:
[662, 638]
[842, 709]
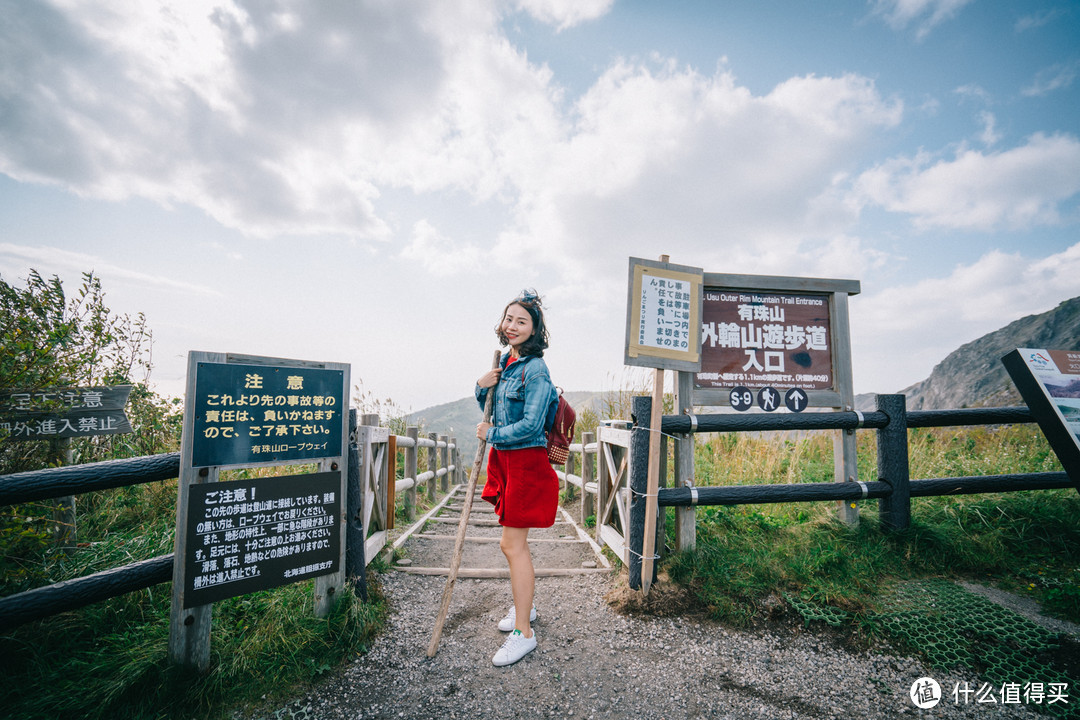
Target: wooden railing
[369, 517]
[610, 495]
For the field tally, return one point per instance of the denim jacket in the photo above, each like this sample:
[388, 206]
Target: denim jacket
[524, 398]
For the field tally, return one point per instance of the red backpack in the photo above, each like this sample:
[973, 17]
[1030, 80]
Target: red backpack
[560, 431]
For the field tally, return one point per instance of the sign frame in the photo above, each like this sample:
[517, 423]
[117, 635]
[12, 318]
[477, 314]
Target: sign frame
[1024, 370]
[643, 355]
[68, 412]
[842, 395]
[189, 627]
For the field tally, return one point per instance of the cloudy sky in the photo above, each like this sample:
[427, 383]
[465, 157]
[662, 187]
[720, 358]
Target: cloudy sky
[370, 181]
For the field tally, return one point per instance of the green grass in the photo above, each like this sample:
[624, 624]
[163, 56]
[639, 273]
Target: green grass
[1026, 542]
[109, 659]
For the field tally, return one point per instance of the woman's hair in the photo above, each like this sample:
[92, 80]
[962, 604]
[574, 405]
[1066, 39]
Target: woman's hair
[535, 345]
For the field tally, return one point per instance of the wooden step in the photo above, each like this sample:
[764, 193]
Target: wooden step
[480, 573]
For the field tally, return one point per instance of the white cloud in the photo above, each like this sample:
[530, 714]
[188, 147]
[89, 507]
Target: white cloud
[662, 157]
[1048, 80]
[926, 14]
[274, 119]
[565, 13]
[989, 135]
[438, 254]
[911, 328]
[17, 260]
[1017, 188]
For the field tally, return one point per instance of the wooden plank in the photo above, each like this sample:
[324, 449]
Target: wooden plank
[427, 516]
[648, 543]
[494, 539]
[391, 480]
[611, 537]
[374, 544]
[597, 550]
[615, 436]
[497, 573]
[685, 518]
[729, 281]
[472, 521]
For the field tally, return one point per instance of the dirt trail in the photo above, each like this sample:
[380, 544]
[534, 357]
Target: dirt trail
[596, 662]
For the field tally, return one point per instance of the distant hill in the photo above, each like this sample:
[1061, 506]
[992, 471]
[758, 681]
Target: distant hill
[973, 376]
[459, 418]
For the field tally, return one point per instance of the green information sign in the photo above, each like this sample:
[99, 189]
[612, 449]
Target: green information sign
[250, 414]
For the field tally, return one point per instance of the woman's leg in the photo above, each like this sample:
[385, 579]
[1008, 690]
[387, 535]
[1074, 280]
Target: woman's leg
[515, 546]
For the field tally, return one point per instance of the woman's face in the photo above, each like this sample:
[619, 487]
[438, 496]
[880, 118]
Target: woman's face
[517, 325]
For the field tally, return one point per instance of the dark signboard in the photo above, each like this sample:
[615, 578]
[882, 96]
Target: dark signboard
[248, 414]
[249, 535]
[760, 338]
[1049, 381]
[65, 412]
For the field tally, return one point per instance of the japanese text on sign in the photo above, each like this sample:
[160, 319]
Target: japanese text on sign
[64, 412]
[85, 424]
[246, 414]
[765, 339]
[249, 535]
[665, 312]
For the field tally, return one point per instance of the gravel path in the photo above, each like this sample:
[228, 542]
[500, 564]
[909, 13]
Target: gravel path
[595, 662]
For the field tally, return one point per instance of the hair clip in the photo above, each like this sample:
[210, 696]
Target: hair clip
[529, 296]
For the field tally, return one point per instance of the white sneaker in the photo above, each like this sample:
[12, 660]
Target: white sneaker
[515, 647]
[508, 622]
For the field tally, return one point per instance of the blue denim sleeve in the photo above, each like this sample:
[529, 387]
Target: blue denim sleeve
[481, 395]
[538, 392]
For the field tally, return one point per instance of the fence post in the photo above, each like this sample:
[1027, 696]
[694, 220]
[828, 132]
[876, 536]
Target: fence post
[63, 530]
[894, 511]
[432, 465]
[443, 460]
[661, 513]
[452, 459]
[639, 487]
[588, 499]
[354, 530]
[413, 433]
[568, 470]
[685, 517]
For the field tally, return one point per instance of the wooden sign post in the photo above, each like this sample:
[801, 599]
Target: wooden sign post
[241, 536]
[663, 331]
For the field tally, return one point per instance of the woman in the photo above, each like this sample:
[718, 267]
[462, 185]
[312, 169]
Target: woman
[521, 483]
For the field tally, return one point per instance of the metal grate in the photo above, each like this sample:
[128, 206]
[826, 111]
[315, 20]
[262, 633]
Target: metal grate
[951, 627]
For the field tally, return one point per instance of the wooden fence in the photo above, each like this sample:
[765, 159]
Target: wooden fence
[369, 515]
[613, 492]
[608, 468]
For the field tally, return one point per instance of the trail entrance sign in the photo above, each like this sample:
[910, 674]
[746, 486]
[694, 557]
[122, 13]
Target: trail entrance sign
[764, 338]
[64, 412]
[1049, 381]
[239, 536]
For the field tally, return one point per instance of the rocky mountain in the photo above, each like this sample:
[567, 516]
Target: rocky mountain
[973, 376]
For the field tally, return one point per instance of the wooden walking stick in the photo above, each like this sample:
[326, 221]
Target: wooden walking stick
[463, 524]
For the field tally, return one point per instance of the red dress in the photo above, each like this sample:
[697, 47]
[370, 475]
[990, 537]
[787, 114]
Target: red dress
[522, 486]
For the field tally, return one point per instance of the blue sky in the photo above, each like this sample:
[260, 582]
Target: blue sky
[370, 182]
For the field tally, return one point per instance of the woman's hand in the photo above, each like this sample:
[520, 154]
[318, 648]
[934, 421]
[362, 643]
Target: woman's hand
[481, 430]
[489, 379]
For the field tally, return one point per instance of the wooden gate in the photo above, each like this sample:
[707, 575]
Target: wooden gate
[613, 489]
